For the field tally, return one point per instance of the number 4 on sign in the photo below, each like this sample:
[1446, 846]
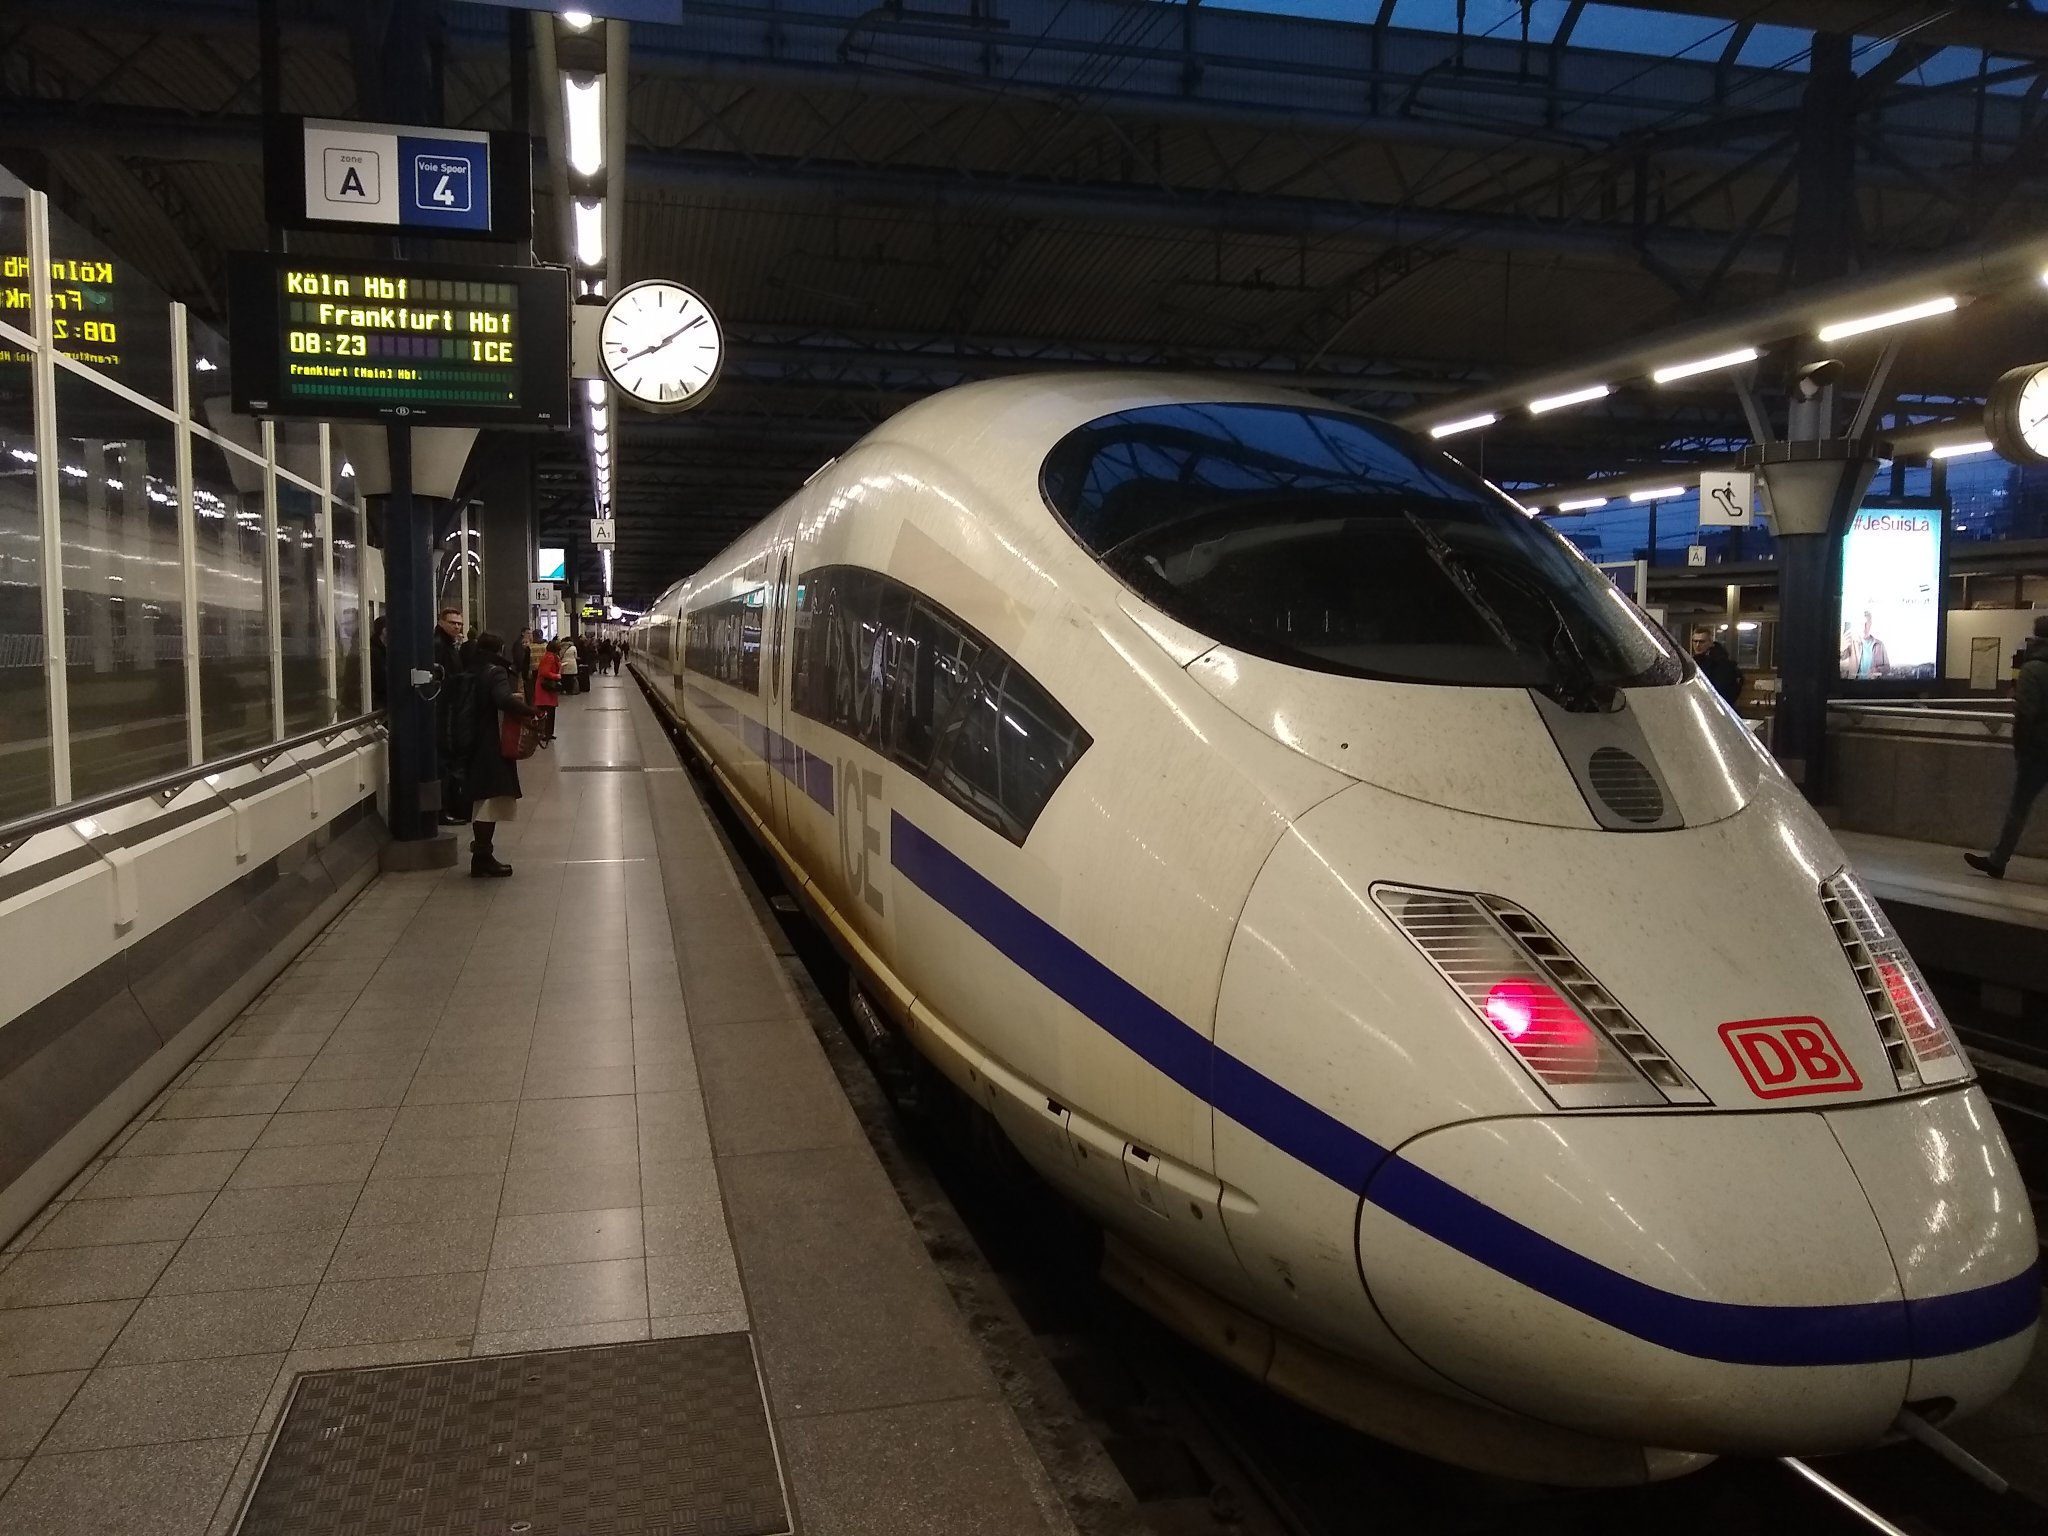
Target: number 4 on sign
[442, 195]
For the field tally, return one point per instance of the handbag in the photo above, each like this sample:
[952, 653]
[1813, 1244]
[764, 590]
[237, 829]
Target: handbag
[519, 737]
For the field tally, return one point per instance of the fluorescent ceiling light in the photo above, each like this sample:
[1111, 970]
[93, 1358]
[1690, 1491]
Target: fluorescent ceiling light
[1679, 371]
[1845, 328]
[1451, 428]
[1661, 493]
[1587, 504]
[583, 114]
[1960, 450]
[593, 391]
[590, 231]
[576, 21]
[1576, 397]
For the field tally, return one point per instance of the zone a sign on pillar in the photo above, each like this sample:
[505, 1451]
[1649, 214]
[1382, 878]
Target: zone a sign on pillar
[326, 173]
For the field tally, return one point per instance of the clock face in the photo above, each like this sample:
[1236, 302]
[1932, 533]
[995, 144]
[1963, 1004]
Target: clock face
[660, 344]
[2031, 412]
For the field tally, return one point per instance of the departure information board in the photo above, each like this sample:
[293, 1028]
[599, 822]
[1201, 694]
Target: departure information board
[428, 342]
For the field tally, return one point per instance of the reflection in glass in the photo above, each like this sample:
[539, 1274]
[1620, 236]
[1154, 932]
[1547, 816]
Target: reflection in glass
[24, 708]
[348, 606]
[306, 702]
[234, 641]
[124, 631]
[106, 314]
[887, 666]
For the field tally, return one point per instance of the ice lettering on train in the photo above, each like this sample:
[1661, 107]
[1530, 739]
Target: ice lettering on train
[858, 855]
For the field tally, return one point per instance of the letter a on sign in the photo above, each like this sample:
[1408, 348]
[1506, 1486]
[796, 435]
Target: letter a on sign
[1789, 1058]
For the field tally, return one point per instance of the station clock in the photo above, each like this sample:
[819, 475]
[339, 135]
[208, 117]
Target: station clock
[660, 345]
[2016, 414]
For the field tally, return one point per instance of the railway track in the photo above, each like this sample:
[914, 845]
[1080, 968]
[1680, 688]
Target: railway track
[1141, 1433]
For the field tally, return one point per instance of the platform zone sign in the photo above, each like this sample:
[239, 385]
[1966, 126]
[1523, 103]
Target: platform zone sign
[328, 173]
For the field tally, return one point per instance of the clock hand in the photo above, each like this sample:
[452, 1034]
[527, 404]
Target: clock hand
[657, 346]
[674, 336]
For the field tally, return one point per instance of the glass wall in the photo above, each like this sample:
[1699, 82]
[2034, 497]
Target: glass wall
[24, 703]
[168, 605]
[124, 601]
[234, 629]
[300, 605]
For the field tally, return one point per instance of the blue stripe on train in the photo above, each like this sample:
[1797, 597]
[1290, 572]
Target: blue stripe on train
[1740, 1334]
[806, 770]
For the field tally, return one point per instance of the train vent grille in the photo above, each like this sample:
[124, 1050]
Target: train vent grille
[1594, 1001]
[1625, 785]
[1875, 997]
[1902, 1005]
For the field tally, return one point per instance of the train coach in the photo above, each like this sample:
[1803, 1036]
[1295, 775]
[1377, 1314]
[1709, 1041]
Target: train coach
[1280, 835]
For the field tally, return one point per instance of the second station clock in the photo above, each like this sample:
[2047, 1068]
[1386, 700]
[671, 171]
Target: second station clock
[660, 345]
[2016, 414]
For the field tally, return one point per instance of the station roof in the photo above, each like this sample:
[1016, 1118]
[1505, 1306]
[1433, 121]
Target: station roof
[883, 200]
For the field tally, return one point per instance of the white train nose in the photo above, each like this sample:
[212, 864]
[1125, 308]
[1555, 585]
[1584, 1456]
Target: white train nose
[1712, 1282]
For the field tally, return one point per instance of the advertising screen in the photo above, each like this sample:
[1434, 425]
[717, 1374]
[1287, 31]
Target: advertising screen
[429, 342]
[551, 565]
[1891, 594]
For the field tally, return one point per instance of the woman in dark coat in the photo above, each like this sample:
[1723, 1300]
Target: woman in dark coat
[493, 778]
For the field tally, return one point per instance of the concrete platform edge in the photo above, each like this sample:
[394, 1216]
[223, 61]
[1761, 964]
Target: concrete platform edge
[886, 1415]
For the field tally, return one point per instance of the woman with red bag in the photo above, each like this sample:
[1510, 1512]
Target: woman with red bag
[493, 771]
[547, 688]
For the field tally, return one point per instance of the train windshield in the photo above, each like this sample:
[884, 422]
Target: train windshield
[1336, 542]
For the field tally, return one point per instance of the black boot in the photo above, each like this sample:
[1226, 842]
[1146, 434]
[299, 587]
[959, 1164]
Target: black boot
[1984, 862]
[482, 864]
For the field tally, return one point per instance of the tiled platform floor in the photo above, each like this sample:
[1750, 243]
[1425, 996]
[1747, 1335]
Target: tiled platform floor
[469, 1120]
[466, 1121]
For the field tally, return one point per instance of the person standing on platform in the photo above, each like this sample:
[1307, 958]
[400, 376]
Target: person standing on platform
[454, 676]
[547, 688]
[1721, 671]
[2029, 751]
[522, 663]
[572, 664]
[379, 660]
[493, 778]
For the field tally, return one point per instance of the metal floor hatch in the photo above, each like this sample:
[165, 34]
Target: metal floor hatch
[669, 1436]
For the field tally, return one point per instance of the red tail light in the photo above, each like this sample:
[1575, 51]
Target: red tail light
[1561, 1025]
[1544, 1030]
[1917, 1040]
[1924, 1033]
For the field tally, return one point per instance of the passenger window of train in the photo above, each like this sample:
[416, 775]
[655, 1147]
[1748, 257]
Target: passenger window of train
[722, 640]
[1006, 748]
[1337, 543]
[936, 674]
[889, 667]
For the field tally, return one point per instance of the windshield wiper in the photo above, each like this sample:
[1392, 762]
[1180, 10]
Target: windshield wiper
[1572, 682]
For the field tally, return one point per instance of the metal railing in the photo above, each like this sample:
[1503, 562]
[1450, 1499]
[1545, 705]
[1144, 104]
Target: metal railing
[15, 832]
[1955, 719]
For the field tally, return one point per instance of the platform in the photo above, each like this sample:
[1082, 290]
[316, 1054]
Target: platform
[1934, 874]
[577, 1107]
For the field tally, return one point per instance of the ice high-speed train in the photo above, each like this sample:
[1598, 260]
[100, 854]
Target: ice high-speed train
[1329, 880]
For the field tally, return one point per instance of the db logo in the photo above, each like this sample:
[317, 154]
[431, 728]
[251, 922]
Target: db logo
[1784, 1058]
